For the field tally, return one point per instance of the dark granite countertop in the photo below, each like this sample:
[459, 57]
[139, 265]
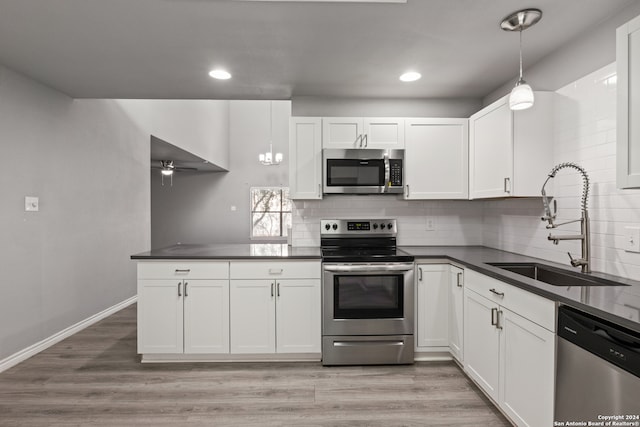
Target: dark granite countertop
[619, 304]
[231, 251]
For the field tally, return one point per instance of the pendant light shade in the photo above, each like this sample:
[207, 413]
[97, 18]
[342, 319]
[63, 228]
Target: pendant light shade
[521, 96]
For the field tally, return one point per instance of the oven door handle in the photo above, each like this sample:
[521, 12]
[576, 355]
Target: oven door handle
[368, 268]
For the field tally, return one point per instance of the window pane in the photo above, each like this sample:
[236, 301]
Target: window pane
[286, 222]
[286, 202]
[265, 200]
[266, 224]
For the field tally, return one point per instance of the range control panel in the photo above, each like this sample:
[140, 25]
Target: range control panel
[371, 227]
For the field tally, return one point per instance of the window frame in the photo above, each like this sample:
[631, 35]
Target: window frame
[281, 212]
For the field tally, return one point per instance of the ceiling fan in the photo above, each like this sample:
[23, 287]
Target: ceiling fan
[167, 168]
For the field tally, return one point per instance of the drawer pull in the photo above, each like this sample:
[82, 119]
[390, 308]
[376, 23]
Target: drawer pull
[186, 270]
[276, 270]
[500, 294]
[494, 317]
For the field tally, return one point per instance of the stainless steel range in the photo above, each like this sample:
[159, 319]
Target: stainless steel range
[367, 294]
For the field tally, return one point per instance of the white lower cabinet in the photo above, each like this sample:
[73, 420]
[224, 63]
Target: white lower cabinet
[269, 316]
[456, 312]
[511, 357]
[432, 307]
[183, 316]
[481, 342]
[527, 359]
[275, 315]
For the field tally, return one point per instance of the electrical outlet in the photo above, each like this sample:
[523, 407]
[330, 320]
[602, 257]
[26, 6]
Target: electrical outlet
[31, 204]
[431, 224]
[632, 238]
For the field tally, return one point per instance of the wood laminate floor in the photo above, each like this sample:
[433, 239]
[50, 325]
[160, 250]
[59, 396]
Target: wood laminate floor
[95, 378]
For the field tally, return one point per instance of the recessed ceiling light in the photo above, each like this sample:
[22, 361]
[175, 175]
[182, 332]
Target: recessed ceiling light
[220, 74]
[411, 76]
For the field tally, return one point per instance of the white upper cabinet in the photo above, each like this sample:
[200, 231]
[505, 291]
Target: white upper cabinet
[305, 158]
[357, 132]
[510, 153]
[628, 132]
[436, 159]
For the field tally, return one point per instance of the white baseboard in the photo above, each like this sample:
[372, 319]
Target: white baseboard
[36, 348]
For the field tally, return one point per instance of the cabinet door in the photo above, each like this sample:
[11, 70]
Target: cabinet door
[160, 311]
[481, 342]
[252, 316]
[383, 132]
[206, 316]
[456, 315]
[491, 151]
[628, 87]
[305, 158]
[527, 353]
[342, 132]
[436, 159]
[298, 316]
[433, 305]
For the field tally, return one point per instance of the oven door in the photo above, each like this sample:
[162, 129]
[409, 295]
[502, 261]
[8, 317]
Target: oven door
[368, 299]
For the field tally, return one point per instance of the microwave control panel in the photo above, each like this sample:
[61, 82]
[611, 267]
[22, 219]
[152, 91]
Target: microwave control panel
[395, 172]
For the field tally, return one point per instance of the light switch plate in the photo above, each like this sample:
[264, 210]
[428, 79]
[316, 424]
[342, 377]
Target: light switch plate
[31, 204]
[632, 239]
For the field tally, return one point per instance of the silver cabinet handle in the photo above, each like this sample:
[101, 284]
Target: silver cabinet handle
[179, 289]
[459, 281]
[319, 190]
[185, 289]
[278, 289]
[494, 317]
[420, 274]
[272, 289]
[407, 186]
[186, 270]
[276, 271]
[507, 185]
[359, 138]
[498, 314]
[366, 140]
[500, 294]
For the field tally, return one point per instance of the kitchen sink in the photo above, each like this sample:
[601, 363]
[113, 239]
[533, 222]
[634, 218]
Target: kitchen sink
[553, 276]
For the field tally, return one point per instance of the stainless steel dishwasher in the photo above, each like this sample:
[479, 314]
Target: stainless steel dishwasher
[598, 370]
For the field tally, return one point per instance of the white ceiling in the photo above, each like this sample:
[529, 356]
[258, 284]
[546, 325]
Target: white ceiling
[278, 50]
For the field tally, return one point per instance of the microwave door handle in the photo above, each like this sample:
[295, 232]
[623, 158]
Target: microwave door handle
[387, 173]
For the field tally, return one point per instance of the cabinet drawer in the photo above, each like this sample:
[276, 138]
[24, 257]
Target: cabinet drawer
[183, 270]
[276, 270]
[530, 306]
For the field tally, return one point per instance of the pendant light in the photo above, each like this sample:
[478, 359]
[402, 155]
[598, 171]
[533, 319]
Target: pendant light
[268, 159]
[521, 96]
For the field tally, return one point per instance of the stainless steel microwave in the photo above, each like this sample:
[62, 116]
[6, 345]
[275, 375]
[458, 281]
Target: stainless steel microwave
[366, 171]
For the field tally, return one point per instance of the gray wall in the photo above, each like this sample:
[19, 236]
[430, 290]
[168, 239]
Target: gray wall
[588, 52]
[198, 207]
[89, 165]
[312, 106]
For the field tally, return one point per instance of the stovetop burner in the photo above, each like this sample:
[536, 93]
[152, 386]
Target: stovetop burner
[361, 241]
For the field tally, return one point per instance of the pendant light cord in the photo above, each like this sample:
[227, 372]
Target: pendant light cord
[520, 54]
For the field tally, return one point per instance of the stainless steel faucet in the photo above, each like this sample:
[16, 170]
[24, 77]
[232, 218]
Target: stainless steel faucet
[584, 261]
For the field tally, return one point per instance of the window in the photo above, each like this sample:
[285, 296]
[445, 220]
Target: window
[270, 212]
